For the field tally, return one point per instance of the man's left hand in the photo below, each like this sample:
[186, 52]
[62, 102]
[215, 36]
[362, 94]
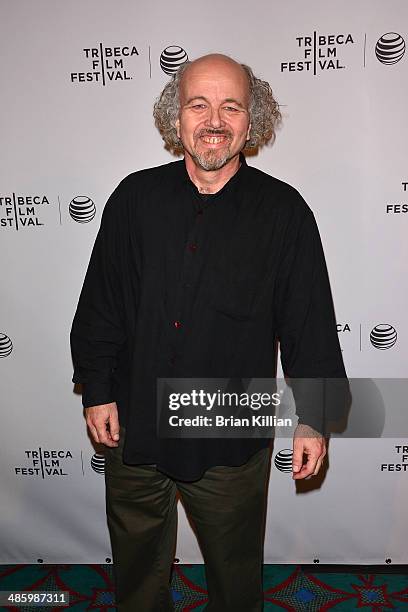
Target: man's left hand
[307, 441]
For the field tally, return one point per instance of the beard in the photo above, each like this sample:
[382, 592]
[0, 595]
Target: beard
[213, 159]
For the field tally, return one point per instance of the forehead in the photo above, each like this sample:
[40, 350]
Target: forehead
[216, 79]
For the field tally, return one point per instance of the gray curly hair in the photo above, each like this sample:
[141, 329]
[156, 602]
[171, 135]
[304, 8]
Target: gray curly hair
[263, 111]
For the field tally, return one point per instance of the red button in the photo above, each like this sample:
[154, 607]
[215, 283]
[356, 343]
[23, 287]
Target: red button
[200, 212]
[192, 246]
[177, 324]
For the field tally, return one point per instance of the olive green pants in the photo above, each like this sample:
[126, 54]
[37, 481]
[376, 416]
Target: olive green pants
[227, 510]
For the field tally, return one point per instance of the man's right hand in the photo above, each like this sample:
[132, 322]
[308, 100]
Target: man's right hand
[103, 423]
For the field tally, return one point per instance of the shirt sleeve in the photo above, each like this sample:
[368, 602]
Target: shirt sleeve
[98, 330]
[306, 327]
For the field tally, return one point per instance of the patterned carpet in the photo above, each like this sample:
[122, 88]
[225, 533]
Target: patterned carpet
[286, 587]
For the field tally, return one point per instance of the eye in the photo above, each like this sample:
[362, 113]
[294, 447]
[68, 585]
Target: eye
[198, 106]
[231, 109]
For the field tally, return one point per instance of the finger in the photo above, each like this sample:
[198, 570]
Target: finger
[104, 435]
[318, 465]
[308, 468]
[94, 433]
[114, 427]
[297, 459]
[98, 418]
[100, 425]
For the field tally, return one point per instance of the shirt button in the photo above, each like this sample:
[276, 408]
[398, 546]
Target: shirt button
[200, 212]
[172, 360]
[177, 324]
[192, 246]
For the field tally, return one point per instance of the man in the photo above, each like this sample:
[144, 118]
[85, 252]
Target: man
[199, 267]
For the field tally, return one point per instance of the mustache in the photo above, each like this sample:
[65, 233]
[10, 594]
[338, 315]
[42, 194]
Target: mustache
[215, 132]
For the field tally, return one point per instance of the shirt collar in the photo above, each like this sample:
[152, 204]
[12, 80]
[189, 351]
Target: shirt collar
[228, 185]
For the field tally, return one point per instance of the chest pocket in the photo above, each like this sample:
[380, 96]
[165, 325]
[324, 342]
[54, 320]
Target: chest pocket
[239, 276]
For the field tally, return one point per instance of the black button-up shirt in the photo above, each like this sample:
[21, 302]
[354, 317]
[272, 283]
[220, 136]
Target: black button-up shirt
[181, 285]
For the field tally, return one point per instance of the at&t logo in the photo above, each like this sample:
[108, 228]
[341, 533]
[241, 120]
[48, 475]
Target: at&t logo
[172, 58]
[82, 209]
[98, 463]
[283, 460]
[383, 336]
[390, 48]
[6, 345]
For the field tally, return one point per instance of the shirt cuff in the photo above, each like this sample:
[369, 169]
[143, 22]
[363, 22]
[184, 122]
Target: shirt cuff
[96, 394]
[321, 402]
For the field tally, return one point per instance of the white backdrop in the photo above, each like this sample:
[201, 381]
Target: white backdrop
[76, 118]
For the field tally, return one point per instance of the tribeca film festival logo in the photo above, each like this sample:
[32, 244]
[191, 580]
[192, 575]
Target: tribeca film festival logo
[400, 207]
[343, 328]
[390, 48]
[27, 211]
[106, 64]
[383, 336]
[402, 456]
[318, 53]
[45, 463]
[172, 58]
[22, 211]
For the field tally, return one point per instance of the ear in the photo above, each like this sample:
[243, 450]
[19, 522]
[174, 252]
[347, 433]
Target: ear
[248, 136]
[177, 126]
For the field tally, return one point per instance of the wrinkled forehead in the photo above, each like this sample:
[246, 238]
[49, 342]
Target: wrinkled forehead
[214, 78]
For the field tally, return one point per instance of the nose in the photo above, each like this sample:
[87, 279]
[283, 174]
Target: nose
[214, 118]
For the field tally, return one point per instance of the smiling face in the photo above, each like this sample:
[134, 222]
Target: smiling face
[213, 123]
